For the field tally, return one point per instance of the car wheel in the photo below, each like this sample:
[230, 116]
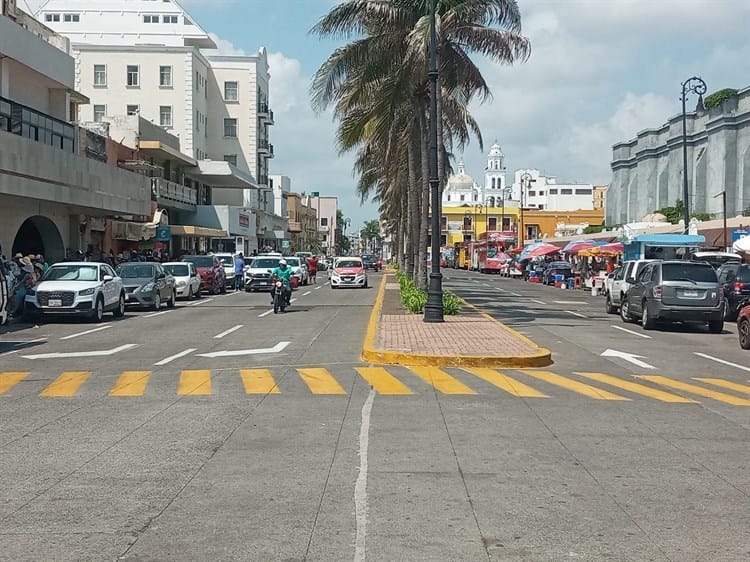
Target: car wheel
[223, 287]
[716, 326]
[98, 313]
[171, 301]
[647, 322]
[215, 288]
[744, 331]
[157, 301]
[198, 293]
[609, 307]
[119, 312]
[625, 311]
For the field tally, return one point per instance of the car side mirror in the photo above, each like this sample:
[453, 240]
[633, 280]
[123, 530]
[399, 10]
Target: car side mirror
[270, 271]
[108, 278]
[161, 276]
[630, 280]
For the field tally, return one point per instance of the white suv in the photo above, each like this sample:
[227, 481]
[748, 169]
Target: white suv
[623, 279]
[77, 289]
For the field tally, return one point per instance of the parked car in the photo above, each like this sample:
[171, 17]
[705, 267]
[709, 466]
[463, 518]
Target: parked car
[621, 282]
[743, 325]
[213, 276]
[556, 268]
[371, 262]
[299, 270]
[227, 261]
[257, 275]
[675, 291]
[85, 289]
[717, 259]
[186, 277]
[610, 279]
[735, 283]
[349, 272]
[147, 284]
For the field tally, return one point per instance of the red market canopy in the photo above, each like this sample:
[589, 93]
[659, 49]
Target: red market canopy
[577, 247]
[542, 250]
[612, 248]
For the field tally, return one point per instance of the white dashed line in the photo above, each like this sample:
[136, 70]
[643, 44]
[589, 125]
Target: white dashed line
[538, 302]
[729, 363]
[176, 356]
[644, 336]
[266, 313]
[318, 288]
[229, 331]
[157, 314]
[86, 332]
[307, 293]
[202, 302]
[575, 314]
[516, 295]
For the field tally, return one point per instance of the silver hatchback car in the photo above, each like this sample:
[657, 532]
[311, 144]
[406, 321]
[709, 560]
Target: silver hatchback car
[675, 291]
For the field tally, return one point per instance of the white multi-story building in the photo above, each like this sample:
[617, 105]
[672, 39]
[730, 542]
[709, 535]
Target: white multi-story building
[462, 190]
[544, 193]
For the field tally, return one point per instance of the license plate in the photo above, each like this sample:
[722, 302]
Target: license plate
[690, 294]
[55, 302]
[263, 283]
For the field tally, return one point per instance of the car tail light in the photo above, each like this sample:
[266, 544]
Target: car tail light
[738, 287]
[656, 291]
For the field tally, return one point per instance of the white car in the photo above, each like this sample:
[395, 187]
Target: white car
[349, 272]
[227, 260]
[187, 279]
[258, 272]
[299, 270]
[623, 278]
[85, 289]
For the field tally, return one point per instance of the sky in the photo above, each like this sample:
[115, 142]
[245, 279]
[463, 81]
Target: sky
[599, 72]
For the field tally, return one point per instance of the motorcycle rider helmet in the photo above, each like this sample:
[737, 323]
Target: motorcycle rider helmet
[282, 262]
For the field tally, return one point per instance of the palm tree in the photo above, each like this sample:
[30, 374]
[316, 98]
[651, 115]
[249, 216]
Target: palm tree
[378, 86]
[370, 233]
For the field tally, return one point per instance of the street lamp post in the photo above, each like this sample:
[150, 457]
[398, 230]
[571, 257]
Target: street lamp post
[525, 182]
[502, 219]
[723, 196]
[698, 86]
[433, 310]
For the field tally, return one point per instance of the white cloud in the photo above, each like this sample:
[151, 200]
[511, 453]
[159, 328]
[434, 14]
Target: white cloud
[224, 47]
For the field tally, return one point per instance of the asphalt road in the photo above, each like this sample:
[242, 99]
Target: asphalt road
[225, 432]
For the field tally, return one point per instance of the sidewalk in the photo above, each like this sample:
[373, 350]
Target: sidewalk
[471, 339]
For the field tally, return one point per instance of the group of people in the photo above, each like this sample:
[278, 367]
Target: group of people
[20, 274]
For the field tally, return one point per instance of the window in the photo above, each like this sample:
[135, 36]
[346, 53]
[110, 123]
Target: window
[148, 18]
[230, 91]
[71, 18]
[133, 109]
[566, 192]
[230, 127]
[133, 80]
[532, 231]
[169, 19]
[165, 115]
[324, 221]
[51, 17]
[553, 192]
[100, 75]
[532, 193]
[462, 198]
[165, 76]
[584, 192]
[231, 158]
[99, 112]
[492, 223]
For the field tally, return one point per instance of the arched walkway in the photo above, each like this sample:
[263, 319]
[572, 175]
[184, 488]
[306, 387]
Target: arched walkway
[39, 235]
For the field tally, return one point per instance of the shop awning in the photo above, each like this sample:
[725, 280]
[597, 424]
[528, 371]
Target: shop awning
[180, 230]
[167, 152]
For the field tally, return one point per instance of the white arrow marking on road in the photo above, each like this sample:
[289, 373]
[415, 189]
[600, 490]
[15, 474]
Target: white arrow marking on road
[644, 336]
[227, 332]
[279, 347]
[102, 353]
[171, 358]
[735, 365]
[87, 332]
[629, 357]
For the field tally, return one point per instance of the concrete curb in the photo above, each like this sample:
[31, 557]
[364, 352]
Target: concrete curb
[541, 358]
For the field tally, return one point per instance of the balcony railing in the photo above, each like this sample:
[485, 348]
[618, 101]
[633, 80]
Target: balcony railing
[270, 150]
[174, 191]
[25, 122]
[295, 226]
[263, 145]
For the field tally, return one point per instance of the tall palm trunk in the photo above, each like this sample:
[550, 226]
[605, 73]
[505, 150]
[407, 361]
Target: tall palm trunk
[412, 230]
[402, 231]
[424, 146]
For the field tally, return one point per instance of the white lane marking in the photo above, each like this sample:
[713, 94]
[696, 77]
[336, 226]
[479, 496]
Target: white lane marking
[318, 288]
[203, 301]
[498, 289]
[278, 348]
[575, 314]
[515, 294]
[326, 283]
[157, 313]
[569, 302]
[644, 336]
[171, 358]
[266, 313]
[539, 302]
[360, 488]
[227, 332]
[486, 284]
[629, 357]
[26, 342]
[79, 334]
[102, 353]
[292, 300]
[729, 363]
[9, 352]
[307, 293]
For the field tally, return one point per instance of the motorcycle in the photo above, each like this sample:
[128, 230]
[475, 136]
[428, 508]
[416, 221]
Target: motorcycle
[280, 301]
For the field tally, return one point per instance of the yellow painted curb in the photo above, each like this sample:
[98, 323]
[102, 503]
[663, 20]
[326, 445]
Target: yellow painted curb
[542, 358]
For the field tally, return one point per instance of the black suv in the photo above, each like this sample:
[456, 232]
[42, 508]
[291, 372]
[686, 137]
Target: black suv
[735, 282]
[370, 261]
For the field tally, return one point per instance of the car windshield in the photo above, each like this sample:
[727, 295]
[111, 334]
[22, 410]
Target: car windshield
[178, 270]
[265, 263]
[349, 263]
[72, 273]
[200, 261]
[697, 272]
[228, 259]
[139, 271]
[743, 274]
[368, 258]
[293, 262]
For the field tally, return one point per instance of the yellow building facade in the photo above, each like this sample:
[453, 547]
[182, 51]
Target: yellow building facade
[469, 222]
[551, 224]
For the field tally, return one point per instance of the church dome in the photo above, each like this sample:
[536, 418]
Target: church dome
[496, 151]
[461, 180]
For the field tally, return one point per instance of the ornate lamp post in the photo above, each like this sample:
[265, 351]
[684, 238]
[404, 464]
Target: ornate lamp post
[502, 219]
[525, 183]
[698, 86]
[433, 310]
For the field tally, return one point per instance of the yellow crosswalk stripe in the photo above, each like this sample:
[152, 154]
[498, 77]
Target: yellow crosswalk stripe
[320, 381]
[259, 381]
[575, 386]
[382, 381]
[506, 383]
[442, 380]
[9, 380]
[719, 382]
[695, 389]
[131, 383]
[638, 388]
[195, 383]
[66, 385]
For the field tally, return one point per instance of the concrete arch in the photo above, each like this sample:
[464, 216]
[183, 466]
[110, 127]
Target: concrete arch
[39, 235]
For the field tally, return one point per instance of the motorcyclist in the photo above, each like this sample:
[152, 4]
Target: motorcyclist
[284, 274]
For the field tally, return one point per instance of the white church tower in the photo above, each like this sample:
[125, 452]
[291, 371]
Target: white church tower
[494, 177]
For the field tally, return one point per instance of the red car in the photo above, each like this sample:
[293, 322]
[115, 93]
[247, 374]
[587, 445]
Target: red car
[743, 326]
[211, 270]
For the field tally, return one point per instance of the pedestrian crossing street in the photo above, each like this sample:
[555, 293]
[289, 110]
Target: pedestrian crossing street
[392, 381]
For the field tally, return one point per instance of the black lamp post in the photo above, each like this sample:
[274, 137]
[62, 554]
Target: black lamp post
[433, 310]
[525, 182]
[698, 86]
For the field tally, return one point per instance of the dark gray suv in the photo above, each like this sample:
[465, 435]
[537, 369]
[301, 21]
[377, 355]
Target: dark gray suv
[675, 291]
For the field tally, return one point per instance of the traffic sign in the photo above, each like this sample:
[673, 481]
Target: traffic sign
[164, 234]
[285, 243]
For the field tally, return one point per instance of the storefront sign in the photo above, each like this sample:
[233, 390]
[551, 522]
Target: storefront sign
[285, 243]
[244, 221]
[164, 234]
